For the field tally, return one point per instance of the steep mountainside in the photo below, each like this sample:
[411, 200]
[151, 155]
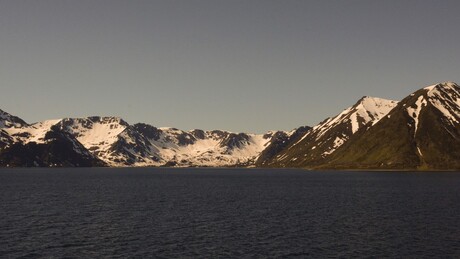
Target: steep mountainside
[279, 141]
[57, 148]
[5, 139]
[9, 121]
[40, 144]
[35, 132]
[422, 132]
[108, 138]
[325, 138]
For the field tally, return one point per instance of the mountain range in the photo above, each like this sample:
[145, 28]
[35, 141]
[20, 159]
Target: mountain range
[420, 132]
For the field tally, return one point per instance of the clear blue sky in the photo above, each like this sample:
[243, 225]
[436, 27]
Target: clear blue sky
[239, 65]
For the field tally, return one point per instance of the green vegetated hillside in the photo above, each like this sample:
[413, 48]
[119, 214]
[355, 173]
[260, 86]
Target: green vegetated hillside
[422, 132]
[325, 138]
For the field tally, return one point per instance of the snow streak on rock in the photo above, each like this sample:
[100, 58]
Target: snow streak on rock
[446, 98]
[366, 112]
[414, 112]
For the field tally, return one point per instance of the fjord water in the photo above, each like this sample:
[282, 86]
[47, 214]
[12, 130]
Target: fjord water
[159, 212]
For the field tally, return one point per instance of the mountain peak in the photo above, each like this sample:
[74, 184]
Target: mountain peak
[375, 105]
[10, 121]
[108, 119]
[366, 97]
[445, 97]
[443, 85]
[370, 109]
[89, 122]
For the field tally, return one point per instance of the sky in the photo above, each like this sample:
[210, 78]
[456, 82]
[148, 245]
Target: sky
[237, 65]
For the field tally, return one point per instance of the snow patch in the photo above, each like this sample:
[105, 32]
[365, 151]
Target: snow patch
[32, 133]
[337, 143]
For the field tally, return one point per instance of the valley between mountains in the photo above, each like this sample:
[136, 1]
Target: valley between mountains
[420, 132]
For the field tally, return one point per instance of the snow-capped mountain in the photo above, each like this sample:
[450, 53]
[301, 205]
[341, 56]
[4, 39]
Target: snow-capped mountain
[209, 148]
[49, 147]
[120, 144]
[421, 132]
[326, 137]
[9, 121]
[445, 98]
[117, 143]
[101, 136]
[40, 144]
[35, 132]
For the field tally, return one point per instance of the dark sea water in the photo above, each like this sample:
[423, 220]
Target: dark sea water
[220, 213]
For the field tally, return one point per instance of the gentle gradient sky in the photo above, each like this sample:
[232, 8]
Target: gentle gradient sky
[239, 65]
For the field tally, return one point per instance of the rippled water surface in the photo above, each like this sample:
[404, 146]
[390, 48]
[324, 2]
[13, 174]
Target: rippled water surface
[170, 213]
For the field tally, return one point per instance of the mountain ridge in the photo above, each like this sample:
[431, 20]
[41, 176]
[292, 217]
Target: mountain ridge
[324, 138]
[420, 132]
[117, 143]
